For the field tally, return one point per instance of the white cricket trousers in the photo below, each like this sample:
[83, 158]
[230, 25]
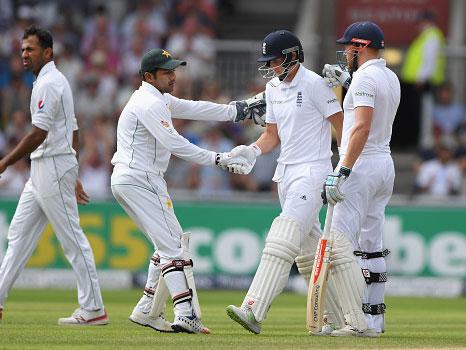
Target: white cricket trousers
[49, 196]
[299, 187]
[361, 216]
[145, 199]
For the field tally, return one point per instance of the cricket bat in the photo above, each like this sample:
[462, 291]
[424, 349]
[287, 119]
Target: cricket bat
[318, 284]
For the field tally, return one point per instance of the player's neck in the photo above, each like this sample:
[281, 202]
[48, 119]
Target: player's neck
[292, 74]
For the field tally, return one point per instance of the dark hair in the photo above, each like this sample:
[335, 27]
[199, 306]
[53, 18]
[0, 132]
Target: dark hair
[44, 36]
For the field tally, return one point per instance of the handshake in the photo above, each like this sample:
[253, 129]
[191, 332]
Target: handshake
[240, 160]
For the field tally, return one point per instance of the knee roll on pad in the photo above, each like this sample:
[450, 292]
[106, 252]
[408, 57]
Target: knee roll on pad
[342, 249]
[283, 240]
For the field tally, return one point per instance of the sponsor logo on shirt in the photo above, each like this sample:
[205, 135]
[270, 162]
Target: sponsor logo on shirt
[165, 124]
[363, 94]
[299, 99]
[40, 104]
[277, 102]
[333, 100]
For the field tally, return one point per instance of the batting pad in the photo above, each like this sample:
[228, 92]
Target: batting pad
[375, 292]
[188, 272]
[349, 282]
[305, 263]
[145, 303]
[281, 248]
[161, 295]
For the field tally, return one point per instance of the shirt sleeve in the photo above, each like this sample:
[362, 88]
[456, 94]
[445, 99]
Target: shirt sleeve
[157, 120]
[48, 98]
[199, 110]
[324, 99]
[269, 116]
[363, 91]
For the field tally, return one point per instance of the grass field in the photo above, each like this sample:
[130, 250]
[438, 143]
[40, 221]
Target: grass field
[30, 323]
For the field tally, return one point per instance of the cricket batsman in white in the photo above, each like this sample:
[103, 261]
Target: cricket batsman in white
[363, 181]
[301, 109]
[53, 190]
[146, 139]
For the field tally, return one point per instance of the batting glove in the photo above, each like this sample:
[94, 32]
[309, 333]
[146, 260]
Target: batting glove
[249, 154]
[334, 76]
[331, 192]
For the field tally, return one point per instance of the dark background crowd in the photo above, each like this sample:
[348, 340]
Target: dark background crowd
[98, 47]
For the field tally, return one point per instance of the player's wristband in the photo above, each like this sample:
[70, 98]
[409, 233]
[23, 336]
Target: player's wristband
[345, 171]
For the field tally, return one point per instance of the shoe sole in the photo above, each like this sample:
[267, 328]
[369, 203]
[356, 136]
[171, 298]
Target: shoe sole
[98, 323]
[149, 326]
[180, 329]
[239, 320]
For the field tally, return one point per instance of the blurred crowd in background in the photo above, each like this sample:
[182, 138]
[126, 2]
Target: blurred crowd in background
[98, 47]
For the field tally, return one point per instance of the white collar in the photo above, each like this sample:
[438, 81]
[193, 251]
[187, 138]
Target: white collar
[49, 66]
[145, 86]
[368, 63]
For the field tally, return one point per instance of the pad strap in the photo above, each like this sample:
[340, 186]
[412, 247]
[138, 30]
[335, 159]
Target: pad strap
[374, 277]
[377, 309]
[366, 255]
[149, 292]
[176, 265]
[183, 297]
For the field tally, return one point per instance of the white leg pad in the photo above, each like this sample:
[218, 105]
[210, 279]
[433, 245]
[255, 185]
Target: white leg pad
[281, 248]
[304, 263]
[349, 282]
[160, 298]
[150, 290]
[188, 271]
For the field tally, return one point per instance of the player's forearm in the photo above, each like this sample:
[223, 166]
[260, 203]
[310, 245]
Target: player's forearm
[269, 139]
[356, 144]
[27, 145]
[337, 122]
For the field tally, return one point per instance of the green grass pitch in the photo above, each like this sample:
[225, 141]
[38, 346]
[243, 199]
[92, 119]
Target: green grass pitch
[30, 323]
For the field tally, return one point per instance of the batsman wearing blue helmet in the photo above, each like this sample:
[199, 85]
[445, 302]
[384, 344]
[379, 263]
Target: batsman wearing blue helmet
[301, 109]
[362, 183]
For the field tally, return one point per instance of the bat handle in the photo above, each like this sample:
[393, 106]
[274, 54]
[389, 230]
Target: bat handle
[328, 221]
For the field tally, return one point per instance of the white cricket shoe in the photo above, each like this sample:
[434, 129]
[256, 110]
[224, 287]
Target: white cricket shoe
[81, 317]
[244, 317]
[189, 324]
[158, 323]
[326, 330]
[349, 331]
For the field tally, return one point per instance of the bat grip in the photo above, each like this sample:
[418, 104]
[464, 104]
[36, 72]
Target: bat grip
[328, 221]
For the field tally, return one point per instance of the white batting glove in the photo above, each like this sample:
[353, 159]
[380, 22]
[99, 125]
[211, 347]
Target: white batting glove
[249, 153]
[334, 76]
[332, 193]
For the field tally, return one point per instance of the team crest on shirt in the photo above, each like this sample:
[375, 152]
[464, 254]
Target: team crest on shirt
[165, 124]
[40, 105]
[299, 99]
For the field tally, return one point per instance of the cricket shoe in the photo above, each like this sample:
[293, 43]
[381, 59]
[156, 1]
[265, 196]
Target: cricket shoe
[158, 323]
[349, 331]
[244, 317]
[326, 330]
[189, 324]
[81, 317]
